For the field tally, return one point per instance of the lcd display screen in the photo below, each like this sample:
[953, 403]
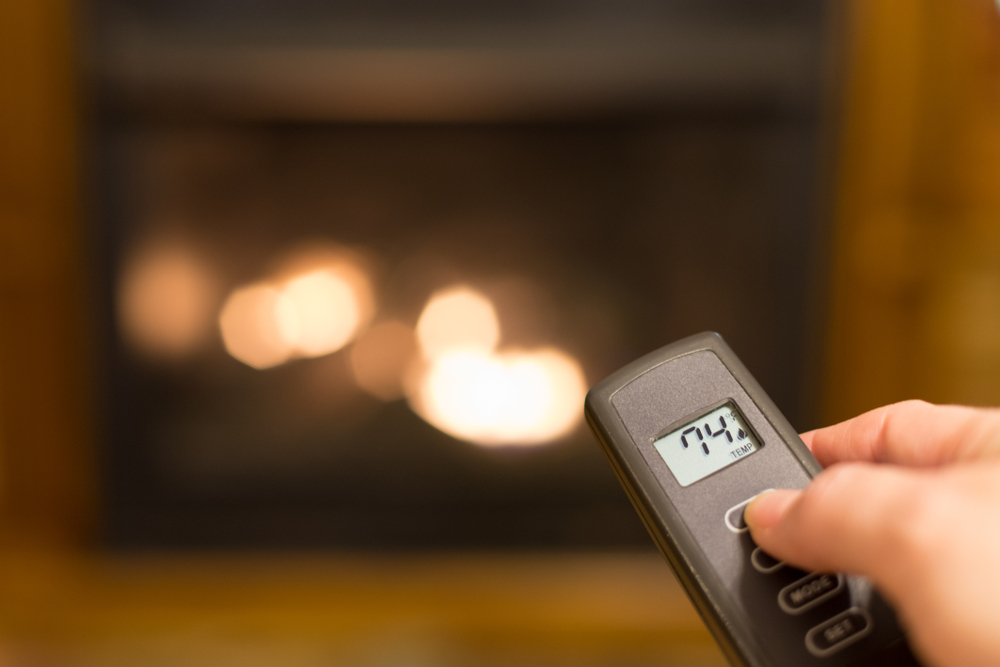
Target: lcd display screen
[707, 444]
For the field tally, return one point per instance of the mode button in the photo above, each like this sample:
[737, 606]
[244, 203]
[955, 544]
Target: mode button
[808, 592]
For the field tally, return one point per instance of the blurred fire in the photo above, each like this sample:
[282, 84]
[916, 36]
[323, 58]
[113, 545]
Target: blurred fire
[259, 325]
[165, 299]
[448, 366]
[327, 311]
[503, 398]
[318, 304]
[470, 390]
[457, 318]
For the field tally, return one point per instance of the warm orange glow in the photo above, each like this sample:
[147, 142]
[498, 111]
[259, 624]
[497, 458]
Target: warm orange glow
[468, 389]
[165, 300]
[458, 318]
[259, 325]
[330, 288]
[561, 408]
[327, 310]
[381, 357]
[319, 300]
[349, 266]
[512, 398]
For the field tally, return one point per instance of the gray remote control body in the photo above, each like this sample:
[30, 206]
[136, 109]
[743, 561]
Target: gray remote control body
[692, 438]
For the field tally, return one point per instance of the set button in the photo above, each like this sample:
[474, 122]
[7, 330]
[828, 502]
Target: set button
[809, 591]
[838, 632]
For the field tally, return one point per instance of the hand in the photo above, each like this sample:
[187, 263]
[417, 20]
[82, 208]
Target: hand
[910, 499]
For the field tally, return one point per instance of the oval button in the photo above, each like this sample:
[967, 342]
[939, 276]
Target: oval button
[808, 592]
[764, 562]
[839, 632]
[735, 520]
[734, 517]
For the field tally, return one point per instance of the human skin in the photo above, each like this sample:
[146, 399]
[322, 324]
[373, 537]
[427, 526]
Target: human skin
[910, 498]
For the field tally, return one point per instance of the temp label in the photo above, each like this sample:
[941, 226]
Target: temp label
[707, 444]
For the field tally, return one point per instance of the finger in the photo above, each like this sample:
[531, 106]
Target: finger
[911, 433]
[807, 438]
[851, 518]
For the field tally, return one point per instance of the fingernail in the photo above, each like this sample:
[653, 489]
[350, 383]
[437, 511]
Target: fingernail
[766, 510]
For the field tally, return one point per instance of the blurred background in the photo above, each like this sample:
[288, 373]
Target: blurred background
[299, 301]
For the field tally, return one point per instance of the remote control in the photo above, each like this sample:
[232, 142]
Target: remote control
[693, 438]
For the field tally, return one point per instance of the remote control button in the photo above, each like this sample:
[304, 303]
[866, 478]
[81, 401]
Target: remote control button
[809, 591]
[764, 562]
[734, 517]
[839, 632]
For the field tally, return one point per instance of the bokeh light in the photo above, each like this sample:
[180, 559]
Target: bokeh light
[512, 398]
[327, 311]
[472, 391]
[457, 318]
[347, 265]
[259, 325]
[165, 300]
[381, 358]
[319, 301]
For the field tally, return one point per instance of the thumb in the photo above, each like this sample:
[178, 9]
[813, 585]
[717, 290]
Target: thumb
[851, 518]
